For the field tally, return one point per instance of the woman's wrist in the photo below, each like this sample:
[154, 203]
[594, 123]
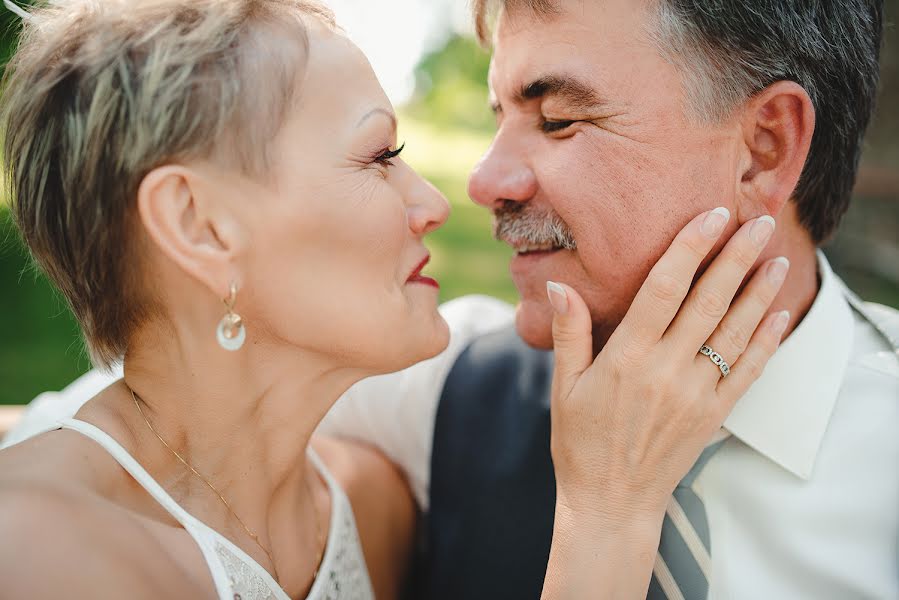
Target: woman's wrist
[608, 511]
[601, 552]
[607, 517]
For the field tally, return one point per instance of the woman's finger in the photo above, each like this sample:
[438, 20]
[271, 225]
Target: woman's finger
[572, 337]
[752, 362]
[663, 292]
[732, 336]
[710, 298]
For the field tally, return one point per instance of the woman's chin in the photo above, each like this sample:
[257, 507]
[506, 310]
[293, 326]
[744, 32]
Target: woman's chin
[427, 338]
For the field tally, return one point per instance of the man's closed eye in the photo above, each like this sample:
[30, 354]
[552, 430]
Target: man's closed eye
[553, 126]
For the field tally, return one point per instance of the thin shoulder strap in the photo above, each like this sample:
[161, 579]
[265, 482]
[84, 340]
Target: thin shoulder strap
[128, 463]
[192, 525]
[339, 501]
[323, 471]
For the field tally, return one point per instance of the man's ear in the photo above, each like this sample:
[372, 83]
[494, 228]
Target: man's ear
[195, 234]
[778, 124]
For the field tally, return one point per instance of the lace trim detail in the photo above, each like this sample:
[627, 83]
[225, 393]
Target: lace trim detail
[246, 584]
[343, 575]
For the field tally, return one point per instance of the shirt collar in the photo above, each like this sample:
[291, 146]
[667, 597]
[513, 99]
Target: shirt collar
[785, 413]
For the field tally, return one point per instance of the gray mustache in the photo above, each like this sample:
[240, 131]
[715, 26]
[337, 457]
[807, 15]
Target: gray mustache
[519, 223]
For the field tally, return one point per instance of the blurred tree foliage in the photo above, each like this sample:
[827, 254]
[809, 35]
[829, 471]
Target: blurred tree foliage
[9, 31]
[451, 87]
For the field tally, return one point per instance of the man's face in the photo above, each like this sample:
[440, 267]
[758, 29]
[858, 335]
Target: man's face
[595, 157]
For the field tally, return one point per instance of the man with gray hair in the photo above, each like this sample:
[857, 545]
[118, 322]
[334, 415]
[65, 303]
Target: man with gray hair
[618, 122]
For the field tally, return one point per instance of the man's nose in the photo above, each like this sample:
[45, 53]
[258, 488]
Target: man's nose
[502, 174]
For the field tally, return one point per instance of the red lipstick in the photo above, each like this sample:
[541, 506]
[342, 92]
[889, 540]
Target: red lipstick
[417, 277]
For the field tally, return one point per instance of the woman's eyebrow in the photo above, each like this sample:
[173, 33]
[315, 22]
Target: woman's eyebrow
[389, 114]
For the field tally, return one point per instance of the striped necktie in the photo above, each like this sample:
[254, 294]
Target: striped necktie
[683, 564]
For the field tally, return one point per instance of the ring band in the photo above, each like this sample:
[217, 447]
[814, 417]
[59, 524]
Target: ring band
[717, 359]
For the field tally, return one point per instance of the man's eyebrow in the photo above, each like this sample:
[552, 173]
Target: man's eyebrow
[567, 88]
[376, 111]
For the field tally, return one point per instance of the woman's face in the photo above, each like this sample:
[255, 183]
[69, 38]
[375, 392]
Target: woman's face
[335, 236]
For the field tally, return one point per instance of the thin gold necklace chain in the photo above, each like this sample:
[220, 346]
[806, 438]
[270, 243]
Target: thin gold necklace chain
[227, 504]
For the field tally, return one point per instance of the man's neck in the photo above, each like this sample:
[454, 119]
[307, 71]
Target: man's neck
[803, 281]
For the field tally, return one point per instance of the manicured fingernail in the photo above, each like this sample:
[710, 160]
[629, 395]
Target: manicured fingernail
[715, 221]
[557, 297]
[777, 270]
[762, 230]
[780, 322]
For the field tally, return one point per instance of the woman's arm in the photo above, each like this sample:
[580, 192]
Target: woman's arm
[629, 424]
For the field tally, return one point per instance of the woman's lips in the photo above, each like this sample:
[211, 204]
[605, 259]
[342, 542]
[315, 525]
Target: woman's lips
[417, 277]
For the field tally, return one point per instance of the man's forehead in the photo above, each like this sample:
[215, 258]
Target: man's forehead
[585, 41]
[527, 75]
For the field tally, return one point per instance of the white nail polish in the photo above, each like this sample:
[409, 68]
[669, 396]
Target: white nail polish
[762, 230]
[777, 270]
[715, 221]
[779, 325]
[557, 297]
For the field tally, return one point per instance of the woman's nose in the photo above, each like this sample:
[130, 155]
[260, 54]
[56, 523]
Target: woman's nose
[502, 174]
[428, 209]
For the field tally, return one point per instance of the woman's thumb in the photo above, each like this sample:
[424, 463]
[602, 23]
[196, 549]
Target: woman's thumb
[572, 336]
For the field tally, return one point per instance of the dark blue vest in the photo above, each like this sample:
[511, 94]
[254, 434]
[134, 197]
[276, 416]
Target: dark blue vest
[492, 496]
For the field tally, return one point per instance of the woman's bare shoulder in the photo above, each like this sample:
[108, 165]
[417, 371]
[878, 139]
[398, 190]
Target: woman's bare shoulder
[62, 534]
[60, 459]
[62, 540]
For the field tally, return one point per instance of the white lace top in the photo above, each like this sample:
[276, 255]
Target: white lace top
[342, 575]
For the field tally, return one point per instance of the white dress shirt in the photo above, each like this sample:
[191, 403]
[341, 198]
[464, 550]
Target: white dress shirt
[803, 499]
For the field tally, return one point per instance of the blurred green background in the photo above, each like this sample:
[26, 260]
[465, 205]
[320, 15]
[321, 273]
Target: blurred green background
[447, 126]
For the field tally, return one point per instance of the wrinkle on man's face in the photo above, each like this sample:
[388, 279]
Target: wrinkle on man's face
[598, 117]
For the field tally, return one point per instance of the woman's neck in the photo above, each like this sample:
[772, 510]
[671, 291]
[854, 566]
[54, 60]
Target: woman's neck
[247, 416]
[243, 420]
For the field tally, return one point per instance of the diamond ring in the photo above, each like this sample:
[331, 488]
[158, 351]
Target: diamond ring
[717, 359]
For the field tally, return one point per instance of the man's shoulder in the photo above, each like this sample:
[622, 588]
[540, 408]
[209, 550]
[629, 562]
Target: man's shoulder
[876, 346]
[475, 315]
[498, 363]
[887, 317]
[484, 326]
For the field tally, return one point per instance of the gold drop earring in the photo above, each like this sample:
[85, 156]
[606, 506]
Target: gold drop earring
[231, 333]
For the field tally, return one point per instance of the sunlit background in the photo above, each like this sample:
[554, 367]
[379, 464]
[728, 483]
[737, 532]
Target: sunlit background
[434, 72]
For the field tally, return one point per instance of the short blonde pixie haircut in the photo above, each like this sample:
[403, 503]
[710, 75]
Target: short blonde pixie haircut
[101, 92]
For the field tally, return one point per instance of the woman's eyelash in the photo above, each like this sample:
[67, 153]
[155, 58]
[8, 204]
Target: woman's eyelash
[385, 157]
[551, 126]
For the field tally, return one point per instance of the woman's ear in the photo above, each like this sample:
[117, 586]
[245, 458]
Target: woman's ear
[199, 236]
[778, 124]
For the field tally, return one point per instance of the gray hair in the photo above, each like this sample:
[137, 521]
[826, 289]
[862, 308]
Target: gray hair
[729, 50]
[101, 92]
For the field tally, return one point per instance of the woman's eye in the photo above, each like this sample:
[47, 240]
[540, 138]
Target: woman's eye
[384, 157]
[552, 126]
